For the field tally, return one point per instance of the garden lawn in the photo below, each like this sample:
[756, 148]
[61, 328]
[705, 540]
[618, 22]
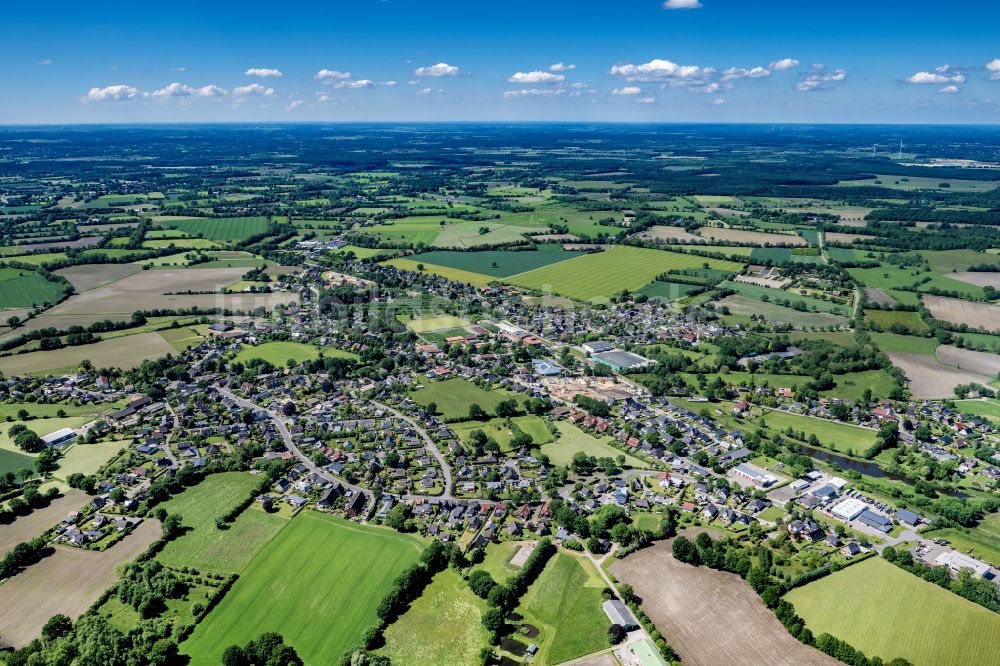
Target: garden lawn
[318, 584]
[205, 546]
[454, 397]
[572, 439]
[887, 612]
[564, 603]
[600, 275]
[278, 353]
[443, 626]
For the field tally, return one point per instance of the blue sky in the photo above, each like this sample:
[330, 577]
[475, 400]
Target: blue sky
[426, 60]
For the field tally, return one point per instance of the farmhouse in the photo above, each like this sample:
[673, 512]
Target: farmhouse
[619, 614]
[956, 561]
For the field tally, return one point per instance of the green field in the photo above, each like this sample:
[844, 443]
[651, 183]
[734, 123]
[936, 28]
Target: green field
[218, 228]
[41, 410]
[317, 583]
[497, 558]
[745, 306]
[831, 434]
[12, 461]
[768, 294]
[564, 603]
[987, 408]
[205, 546]
[946, 261]
[668, 291]
[887, 612]
[20, 288]
[454, 397]
[278, 353]
[436, 323]
[909, 344]
[88, 458]
[453, 274]
[572, 439]
[885, 320]
[495, 263]
[600, 275]
[498, 430]
[443, 626]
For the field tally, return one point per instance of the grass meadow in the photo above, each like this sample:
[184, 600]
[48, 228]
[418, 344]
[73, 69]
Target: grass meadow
[572, 440]
[453, 398]
[887, 612]
[21, 288]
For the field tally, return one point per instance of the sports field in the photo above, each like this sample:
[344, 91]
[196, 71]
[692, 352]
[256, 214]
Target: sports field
[278, 353]
[885, 611]
[564, 603]
[317, 583]
[205, 546]
[572, 440]
[600, 275]
[220, 228]
[443, 626]
[21, 288]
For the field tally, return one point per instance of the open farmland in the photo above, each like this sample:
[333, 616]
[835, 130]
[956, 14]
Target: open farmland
[467, 277]
[80, 458]
[219, 228]
[746, 306]
[25, 528]
[317, 583]
[750, 237]
[787, 298]
[126, 352]
[965, 359]
[564, 603]
[470, 234]
[689, 604]
[20, 288]
[991, 279]
[72, 578]
[602, 274]
[929, 378]
[977, 315]
[664, 234]
[204, 545]
[90, 276]
[499, 264]
[12, 461]
[929, 626]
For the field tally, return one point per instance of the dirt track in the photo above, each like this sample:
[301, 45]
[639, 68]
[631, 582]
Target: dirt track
[710, 617]
[68, 582]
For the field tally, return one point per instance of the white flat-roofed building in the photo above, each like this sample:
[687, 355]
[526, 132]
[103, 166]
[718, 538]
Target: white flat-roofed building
[849, 509]
[758, 477]
[956, 561]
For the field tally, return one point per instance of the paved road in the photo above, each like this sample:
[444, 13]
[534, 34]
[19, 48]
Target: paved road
[280, 422]
[431, 448]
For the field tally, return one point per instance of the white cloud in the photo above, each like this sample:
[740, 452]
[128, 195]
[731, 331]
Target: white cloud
[682, 4]
[353, 84]
[322, 97]
[942, 74]
[646, 100]
[535, 77]
[440, 69]
[252, 89]
[734, 73]
[561, 67]
[533, 92]
[389, 84]
[426, 91]
[114, 93]
[663, 71]
[327, 75]
[993, 67]
[182, 90]
[718, 101]
[263, 72]
[627, 90]
[950, 90]
[47, 61]
[294, 105]
[784, 63]
[709, 89]
[820, 76]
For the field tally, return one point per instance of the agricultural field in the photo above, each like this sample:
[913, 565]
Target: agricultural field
[80, 458]
[982, 407]
[572, 440]
[278, 354]
[27, 527]
[897, 321]
[12, 461]
[474, 279]
[668, 291]
[231, 229]
[447, 618]
[922, 183]
[205, 546]
[598, 276]
[494, 263]
[689, 604]
[120, 353]
[930, 626]
[929, 378]
[965, 359]
[453, 398]
[436, 323]
[564, 604]
[20, 288]
[949, 261]
[317, 583]
[750, 237]
[794, 300]
[772, 312]
[90, 276]
[73, 579]
[976, 315]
